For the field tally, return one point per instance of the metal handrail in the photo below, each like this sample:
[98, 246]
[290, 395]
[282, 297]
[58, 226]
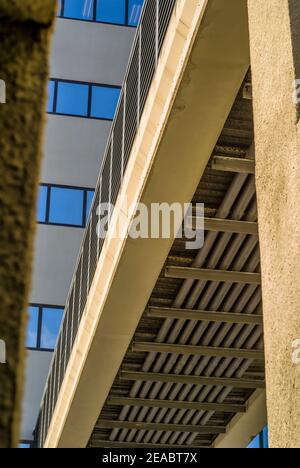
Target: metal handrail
[143, 61]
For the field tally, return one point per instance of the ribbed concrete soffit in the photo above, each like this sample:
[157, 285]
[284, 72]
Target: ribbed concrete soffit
[197, 354]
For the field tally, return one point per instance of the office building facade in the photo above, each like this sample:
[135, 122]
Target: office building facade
[90, 52]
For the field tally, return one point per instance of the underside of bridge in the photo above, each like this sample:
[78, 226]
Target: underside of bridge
[196, 359]
[168, 347]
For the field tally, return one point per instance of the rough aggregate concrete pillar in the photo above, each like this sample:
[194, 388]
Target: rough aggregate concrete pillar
[25, 30]
[275, 46]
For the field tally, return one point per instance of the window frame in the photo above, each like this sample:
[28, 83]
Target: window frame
[51, 95]
[41, 207]
[93, 100]
[95, 20]
[62, 13]
[85, 214]
[89, 103]
[40, 308]
[70, 86]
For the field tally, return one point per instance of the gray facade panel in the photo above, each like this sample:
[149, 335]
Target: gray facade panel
[56, 251]
[74, 149]
[94, 52]
[37, 368]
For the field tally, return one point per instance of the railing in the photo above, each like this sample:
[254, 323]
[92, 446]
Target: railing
[142, 65]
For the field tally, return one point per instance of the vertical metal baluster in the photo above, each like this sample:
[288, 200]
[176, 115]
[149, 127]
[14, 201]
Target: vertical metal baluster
[72, 317]
[123, 129]
[65, 339]
[41, 428]
[89, 260]
[53, 400]
[139, 77]
[80, 289]
[98, 215]
[60, 361]
[156, 31]
[110, 176]
[50, 396]
[47, 410]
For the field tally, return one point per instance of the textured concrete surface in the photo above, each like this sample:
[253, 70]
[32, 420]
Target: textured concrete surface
[278, 190]
[39, 11]
[24, 36]
[294, 10]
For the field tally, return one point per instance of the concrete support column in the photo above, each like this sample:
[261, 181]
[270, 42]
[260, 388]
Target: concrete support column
[275, 46]
[25, 31]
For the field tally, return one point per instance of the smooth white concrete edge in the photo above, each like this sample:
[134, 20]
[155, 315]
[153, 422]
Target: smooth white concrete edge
[182, 30]
[244, 427]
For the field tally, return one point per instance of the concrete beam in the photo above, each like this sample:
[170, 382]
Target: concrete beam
[212, 275]
[98, 443]
[244, 427]
[241, 166]
[144, 426]
[192, 380]
[200, 315]
[179, 405]
[227, 225]
[188, 350]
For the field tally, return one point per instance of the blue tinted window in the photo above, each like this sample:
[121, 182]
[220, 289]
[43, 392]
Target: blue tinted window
[32, 327]
[79, 9]
[134, 12]
[72, 99]
[66, 206]
[111, 11]
[24, 446]
[104, 102]
[50, 327]
[51, 87]
[89, 199]
[42, 204]
[266, 437]
[261, 441]
[255, 444]
[124, 12]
